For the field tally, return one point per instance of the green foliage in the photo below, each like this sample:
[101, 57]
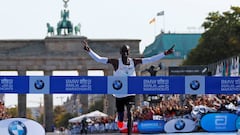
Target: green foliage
[12, 112]
[40, 119]
[29, 114]
[220, 40]
[61, 117]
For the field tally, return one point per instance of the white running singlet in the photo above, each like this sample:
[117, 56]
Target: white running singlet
[124, 70]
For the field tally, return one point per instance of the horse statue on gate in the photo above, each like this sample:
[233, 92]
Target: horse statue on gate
[50, 30]
[77, 29]
[64, 24]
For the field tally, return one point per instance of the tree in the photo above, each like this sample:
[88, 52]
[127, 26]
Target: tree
[61, 117]
[58, 112]
[12, 112]
[220, 40]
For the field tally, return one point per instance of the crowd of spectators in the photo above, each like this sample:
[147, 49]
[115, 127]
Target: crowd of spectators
[169, 107]
[95, 125]
[173, 106]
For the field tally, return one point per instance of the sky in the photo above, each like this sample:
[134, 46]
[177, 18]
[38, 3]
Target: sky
[108, 19]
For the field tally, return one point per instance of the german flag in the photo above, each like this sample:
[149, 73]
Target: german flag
[152, 21]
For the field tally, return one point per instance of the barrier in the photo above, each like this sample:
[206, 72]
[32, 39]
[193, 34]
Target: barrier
[151, 126]
[238, 123]
[219, 122]
[119, 85]
[180, 125]
[20, 126]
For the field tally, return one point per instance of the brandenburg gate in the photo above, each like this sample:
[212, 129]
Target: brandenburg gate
[60, 53]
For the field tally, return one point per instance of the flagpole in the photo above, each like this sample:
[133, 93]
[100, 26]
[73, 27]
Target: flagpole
[163, 23]
[155, 31]
[161, 13]
[153, 20]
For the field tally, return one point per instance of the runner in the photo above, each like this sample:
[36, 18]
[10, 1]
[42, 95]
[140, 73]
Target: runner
[124, 66]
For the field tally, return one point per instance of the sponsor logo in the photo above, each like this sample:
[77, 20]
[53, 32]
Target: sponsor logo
[221, 120]
[179, 125]
[195, 84]
[17, 128]
[117, 85]
[39, 84]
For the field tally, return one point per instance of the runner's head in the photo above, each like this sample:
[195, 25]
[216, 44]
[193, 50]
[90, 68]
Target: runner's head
[124, 51]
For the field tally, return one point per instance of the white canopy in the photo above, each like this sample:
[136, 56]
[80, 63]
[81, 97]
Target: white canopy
[94, 114]
[76, 119]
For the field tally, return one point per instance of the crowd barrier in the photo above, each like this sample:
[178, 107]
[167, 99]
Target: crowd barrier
[211, 122]
[20, 126]
[119, 85]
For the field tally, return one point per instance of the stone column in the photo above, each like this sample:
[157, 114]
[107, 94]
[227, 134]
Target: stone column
[83, 97]
[22, 100]
[109, 100]
[139, 97]
[48, 108]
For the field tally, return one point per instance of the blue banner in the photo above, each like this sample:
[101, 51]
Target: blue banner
[194, 85]
[39, 84]
[223, 85]
[156, 85]
[14, 84]
[78, 84]
[119, 85]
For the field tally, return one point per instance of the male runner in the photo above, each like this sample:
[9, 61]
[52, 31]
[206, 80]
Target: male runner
[124, 66]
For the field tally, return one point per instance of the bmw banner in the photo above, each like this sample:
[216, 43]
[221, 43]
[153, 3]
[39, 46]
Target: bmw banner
[20, 126]
[78, 84]
[119, 85]
[14, 84]
[39, 84]
[156, 85]
[223, 85]
[194, 85]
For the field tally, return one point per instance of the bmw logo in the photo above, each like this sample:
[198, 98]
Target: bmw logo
[39, 84]
[195, 84]
[179, 125]
[117, 85]
[17, 128]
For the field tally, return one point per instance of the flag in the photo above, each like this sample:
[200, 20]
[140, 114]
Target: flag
[226, 70]
[152, 21]
[235, 66]
[160, 13]
[219, 69]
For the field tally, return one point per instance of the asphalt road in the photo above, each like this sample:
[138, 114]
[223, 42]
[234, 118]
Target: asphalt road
[195, 133]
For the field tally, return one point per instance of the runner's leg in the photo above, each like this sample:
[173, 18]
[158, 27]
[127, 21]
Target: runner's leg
[120, 111]
[129, 123]
[130, 103]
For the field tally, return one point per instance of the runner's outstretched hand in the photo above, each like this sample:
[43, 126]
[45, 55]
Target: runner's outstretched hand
[85, 45]
[169, 51]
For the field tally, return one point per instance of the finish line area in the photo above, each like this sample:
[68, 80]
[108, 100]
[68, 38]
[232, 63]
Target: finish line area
[119, 85]
[222, 122]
